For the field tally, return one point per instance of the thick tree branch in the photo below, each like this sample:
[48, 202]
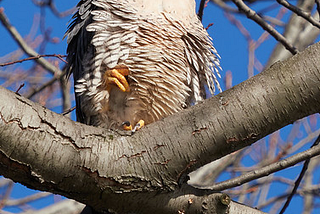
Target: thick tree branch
[50, 152]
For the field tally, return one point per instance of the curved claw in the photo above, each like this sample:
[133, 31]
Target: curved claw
[138, 126]
[127, 126]
[117, 76]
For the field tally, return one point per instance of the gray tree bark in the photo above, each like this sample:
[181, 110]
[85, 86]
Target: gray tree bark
[147, 172]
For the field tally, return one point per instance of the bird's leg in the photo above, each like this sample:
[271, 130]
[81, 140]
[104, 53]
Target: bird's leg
[117, 76]
[138, 126]
[127, 126]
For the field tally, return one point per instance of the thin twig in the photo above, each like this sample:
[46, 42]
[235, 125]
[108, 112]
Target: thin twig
[25, 47]
[7, 194]
[224, 6]
[47, 84]
[227, 8]
[298, 181]
[251, 14]
[59, 56]
[54, 9]
[299, 12]
[201, 9]
[313, 190]
[267, 170]
[68, 111]
[21, 86]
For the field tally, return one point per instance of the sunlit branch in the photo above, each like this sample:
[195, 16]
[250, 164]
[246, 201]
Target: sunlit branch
[59, 56]
[299, 12]
[25, 47]
[45, 85]
[227, 8]
[314, 190]
[267, 170]
[224, 6]
[201, 9]
[299, 179]
[68, 111]
[251, 14]
[53, 8]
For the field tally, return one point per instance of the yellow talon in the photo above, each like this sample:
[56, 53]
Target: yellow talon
[117, 76]
[138, 126]
[127, 126]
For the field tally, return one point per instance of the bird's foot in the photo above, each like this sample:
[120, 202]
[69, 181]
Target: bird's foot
[127, 126]
[117, 76]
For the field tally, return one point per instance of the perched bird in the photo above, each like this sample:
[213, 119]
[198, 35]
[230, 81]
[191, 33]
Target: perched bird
[137, 61]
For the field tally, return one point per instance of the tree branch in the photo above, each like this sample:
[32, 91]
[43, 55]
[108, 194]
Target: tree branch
[47, 151]
[267, 170]
[60, 77]
[299, 12]
[251, 14]
[25, 47]
[59, 56]
[201, 9]
[298, 32]
[299, 179]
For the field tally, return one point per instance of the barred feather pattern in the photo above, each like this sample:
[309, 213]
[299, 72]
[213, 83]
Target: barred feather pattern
[169, 54]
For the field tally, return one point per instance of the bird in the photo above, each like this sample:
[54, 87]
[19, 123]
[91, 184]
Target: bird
[137, 61]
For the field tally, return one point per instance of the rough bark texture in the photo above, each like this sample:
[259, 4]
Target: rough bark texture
[146, 172]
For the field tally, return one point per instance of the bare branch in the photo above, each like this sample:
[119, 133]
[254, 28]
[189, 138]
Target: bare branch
[45, 85]
[69, 110]
[299, 12]
[24, 46]
[201, 8]
[53, 8]
[137, 166]
[59, 56]
[280, 198]
[224, 6]
[21, 86]
[267, 170]
[298, 32]
[229, 9]
[251, 14]
[298, 181]
[7, 194]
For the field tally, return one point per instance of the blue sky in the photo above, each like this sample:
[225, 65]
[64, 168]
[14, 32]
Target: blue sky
[227, 39]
